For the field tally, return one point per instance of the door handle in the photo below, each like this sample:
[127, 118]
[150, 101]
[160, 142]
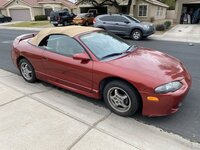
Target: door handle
[104, 23]
[45, 58]
[116, 23]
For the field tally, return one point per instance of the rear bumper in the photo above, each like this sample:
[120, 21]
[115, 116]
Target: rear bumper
[168, 103]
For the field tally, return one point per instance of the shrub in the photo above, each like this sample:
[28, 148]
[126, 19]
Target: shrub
[167, 24]
[160, 27]
[40, 18]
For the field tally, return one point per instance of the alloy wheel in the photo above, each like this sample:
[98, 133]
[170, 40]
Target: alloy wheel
[119, 99]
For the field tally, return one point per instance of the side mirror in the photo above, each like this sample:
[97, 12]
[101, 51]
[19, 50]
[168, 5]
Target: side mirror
[81, 56]
[127, 22]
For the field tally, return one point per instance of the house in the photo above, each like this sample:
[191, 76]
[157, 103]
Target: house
[145, 10]
[26, 10]
[187, 11]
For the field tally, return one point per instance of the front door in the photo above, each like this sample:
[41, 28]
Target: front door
[59, 65]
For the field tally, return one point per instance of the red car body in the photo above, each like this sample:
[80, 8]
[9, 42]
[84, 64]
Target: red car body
[143, 68]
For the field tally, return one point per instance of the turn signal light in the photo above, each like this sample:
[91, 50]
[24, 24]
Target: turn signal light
[152, 98]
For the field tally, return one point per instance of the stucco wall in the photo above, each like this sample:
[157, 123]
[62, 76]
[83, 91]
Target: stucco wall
[53, 6]
[170, 14]
[136, 10]
[37, 11]
[4, 12]
[151, 11]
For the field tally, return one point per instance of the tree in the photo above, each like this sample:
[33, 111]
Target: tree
[129, 6]
[103, 3]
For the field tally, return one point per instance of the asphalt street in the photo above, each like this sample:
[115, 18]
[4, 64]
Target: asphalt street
[186, 122]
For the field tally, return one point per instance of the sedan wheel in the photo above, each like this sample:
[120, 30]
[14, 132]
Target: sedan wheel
[27, 71]
[121, 98]
[136, 35]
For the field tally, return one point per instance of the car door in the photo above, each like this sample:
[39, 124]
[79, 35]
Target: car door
[107, 23]
[59, 65]
[121, 25]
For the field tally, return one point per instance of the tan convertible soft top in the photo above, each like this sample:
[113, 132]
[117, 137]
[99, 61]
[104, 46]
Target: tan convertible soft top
[69, 30]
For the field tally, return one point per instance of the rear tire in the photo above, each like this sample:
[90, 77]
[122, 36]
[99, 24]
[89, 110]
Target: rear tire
[55, 25]
[121, 98]
[86, 23]
[136, 35]
[27, 71]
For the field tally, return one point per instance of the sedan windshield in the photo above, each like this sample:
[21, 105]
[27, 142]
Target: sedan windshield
[103, 44]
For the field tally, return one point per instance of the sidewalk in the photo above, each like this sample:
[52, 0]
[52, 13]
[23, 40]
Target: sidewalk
[42, 117]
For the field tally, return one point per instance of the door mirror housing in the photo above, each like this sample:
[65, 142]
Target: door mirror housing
[127, 22]
[81, 56]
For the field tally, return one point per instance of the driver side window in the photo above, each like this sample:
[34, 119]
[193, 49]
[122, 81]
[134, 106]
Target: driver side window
[61, 44]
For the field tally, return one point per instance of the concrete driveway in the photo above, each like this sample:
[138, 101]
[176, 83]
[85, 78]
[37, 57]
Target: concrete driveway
[183, 33]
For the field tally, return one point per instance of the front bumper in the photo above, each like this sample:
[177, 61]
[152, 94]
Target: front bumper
[168, 103]
[149, 32]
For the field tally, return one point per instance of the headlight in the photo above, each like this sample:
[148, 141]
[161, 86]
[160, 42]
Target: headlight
[146, 26]
[170, 87]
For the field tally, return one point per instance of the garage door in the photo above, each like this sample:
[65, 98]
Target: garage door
[20, 14]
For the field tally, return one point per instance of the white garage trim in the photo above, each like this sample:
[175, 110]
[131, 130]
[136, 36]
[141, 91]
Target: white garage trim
[20, 7]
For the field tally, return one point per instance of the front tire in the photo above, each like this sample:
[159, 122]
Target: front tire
[136, 35]
[86, 23]
[27, 71]
[65, 23]
[121, 98]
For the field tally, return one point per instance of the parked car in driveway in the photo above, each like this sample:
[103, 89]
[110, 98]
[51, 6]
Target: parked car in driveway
[99, 64]
[62, 17]
[124, 25]
[84, 19]
[4, 18]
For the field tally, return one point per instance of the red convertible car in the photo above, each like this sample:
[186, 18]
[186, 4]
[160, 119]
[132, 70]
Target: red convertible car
[98, 64]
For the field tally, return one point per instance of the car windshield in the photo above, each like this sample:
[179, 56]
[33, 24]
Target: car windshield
[133, 19]
[103, 44]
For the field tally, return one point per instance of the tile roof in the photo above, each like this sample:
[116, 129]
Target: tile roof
[156, 2]
[35, 3]
[3, 2]
[64, 2]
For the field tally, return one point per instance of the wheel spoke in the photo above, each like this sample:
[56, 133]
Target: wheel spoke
[26, 71]
[123, 105]
[116, 93]
[119, 99]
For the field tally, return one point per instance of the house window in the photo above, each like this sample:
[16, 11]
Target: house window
[142, 10]
[161, 11]
[158, 11]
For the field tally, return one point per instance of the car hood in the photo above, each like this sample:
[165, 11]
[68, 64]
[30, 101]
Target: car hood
[146, 23]
[150, 66]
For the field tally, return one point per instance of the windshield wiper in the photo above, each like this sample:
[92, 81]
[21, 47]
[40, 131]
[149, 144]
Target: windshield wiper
[130, 48]
[111, 55]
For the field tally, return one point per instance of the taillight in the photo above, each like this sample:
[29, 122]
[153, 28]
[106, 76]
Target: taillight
[94, 20]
